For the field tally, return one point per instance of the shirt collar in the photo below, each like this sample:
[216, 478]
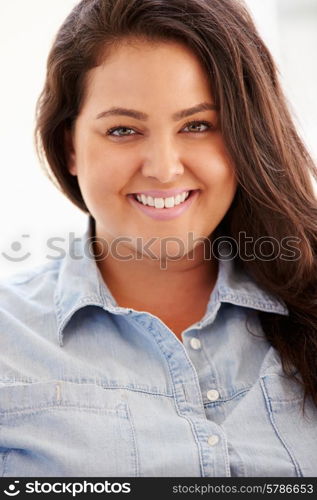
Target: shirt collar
[235, 286]
[81, 284]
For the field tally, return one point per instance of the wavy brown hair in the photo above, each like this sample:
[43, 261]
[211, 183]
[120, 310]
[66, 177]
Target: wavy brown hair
[275, 196]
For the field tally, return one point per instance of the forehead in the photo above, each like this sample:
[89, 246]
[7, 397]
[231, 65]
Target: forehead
[139, 69]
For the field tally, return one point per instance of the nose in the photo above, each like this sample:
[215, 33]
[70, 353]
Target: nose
[162, 162]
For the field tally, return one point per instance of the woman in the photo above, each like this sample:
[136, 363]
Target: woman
[178, 336]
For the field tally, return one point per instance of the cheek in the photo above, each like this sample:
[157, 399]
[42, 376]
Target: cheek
[219, 175]
[104, 173]
[224, 180]
[222, 171]
[224, 189]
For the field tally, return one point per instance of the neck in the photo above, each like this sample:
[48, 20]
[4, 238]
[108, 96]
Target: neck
[146, 284]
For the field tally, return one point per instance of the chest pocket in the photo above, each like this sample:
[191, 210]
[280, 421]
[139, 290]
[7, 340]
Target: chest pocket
[297, 432]
[60, 428]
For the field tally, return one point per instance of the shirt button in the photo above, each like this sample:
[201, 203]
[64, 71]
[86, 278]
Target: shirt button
[195, 343]
[212, 440]
[213, 395]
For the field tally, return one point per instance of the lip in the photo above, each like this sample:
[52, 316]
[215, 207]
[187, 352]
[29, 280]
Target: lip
[155, 193]
[165, 213]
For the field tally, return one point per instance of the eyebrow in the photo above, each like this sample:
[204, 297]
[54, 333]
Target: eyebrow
[138, 115]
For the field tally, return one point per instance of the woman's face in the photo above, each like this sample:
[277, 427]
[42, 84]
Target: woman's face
[116, 154]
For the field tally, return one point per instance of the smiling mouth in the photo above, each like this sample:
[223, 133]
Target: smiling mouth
[163, 203]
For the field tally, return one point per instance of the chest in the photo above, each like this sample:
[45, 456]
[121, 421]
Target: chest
[124, 398]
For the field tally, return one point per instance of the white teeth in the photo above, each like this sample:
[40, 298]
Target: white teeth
[158, 202]
[162, 202]
[150, 201]
[178, 199]
[169, 202]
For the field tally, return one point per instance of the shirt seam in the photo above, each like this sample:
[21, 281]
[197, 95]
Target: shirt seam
[137, 459]
[270, 411]
[249, 300]
[88, 382]
[225, 400]
[212, 367]
[4, 462]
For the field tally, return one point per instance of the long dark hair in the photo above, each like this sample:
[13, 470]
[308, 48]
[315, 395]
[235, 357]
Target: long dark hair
[275, 196]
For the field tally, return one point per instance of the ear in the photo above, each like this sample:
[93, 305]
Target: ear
[70, 152]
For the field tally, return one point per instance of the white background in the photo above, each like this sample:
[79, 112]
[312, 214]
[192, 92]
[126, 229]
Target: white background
[31, 208]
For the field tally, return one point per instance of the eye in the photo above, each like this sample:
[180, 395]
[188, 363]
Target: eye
[119, 127]
[196, 123]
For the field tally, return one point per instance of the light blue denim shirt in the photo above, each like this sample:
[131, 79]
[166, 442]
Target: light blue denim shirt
[88, 388]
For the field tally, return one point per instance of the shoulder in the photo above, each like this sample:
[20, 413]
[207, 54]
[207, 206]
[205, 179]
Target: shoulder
[25, 288]
[27, 320]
